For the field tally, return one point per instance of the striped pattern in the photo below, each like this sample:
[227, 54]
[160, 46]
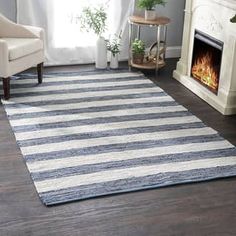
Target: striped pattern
[97, 133]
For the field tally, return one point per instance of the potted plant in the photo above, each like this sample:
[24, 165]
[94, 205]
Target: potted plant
[94, 19]
[113, 46]
[138, 51]
[149, 5]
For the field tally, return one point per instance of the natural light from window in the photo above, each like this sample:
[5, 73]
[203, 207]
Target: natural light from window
[67, 32]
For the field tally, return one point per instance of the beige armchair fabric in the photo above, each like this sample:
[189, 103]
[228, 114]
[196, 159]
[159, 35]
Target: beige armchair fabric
[21, 47]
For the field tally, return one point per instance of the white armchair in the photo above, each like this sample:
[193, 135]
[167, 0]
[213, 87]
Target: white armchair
[21, 47]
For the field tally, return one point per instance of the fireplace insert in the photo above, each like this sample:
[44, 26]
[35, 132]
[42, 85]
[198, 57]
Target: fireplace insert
[206, 60]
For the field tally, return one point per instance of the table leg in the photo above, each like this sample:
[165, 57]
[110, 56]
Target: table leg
[130, 45]
[158, 49]
[138, 32]
[165, 37]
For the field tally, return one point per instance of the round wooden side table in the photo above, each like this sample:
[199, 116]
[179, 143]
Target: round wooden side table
[160, 24]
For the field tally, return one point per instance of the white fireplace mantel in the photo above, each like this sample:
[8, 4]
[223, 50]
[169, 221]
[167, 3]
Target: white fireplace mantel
[211, 17]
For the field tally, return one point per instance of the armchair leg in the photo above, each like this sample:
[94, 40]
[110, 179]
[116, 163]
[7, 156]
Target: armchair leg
[40, 72]
[6, 87]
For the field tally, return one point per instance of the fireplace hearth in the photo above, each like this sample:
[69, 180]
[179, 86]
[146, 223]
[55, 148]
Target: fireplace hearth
[207, 65]
[206, 61]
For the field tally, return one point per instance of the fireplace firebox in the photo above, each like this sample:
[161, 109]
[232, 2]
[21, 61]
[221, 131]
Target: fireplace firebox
[206, 60]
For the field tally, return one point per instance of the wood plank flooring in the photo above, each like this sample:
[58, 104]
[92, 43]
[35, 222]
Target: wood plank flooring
[200, 209]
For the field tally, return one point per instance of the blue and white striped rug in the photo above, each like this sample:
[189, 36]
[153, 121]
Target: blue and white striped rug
[98, 133]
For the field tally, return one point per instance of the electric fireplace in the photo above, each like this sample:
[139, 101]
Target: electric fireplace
[207, 65]
[206, 60]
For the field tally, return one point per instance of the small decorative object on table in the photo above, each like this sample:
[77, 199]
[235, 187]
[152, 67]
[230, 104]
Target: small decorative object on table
[149, 6]
[113, 46]
[152, 52]
[94, 19]
[138, 51]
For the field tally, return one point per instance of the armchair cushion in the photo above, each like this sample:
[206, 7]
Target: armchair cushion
[20, 47]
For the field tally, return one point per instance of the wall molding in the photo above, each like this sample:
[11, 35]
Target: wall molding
[173, 52]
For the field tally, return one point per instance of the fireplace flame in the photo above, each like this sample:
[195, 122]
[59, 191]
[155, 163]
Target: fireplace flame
[204, 71]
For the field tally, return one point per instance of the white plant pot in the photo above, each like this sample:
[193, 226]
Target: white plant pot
[114, 64]
[101, 54]
[150, 14]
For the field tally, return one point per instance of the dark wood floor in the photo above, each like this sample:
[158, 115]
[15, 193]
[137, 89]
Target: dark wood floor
[201, 209]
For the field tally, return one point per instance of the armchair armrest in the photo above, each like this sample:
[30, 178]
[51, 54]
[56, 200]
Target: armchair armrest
[37, 31]
[4, 57]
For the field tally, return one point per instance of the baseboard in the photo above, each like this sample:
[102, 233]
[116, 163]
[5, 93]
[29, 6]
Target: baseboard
[173, 52]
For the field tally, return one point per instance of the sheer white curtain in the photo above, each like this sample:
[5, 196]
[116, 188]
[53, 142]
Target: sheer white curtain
[65, 43]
